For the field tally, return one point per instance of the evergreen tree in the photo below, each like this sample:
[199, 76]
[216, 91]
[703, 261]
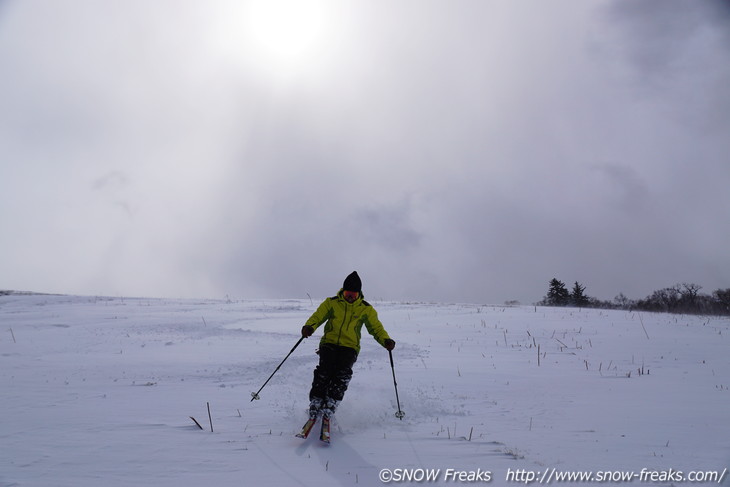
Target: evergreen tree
[578, 297]
[558, 294]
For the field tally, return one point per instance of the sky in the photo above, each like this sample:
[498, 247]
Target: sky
[448, 151]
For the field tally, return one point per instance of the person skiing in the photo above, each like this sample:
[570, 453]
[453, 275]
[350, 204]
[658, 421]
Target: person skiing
[343, 315]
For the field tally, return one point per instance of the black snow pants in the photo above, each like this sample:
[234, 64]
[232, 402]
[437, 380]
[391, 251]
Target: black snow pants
[333, 374]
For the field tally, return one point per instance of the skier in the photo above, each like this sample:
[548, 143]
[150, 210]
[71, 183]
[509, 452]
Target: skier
[343, 315]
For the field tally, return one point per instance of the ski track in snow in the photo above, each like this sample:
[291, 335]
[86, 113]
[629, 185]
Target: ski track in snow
[100, 390]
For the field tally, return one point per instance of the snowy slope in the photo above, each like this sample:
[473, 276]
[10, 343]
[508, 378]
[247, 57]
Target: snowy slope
[98, 391]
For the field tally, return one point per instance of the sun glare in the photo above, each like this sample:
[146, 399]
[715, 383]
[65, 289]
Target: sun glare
[286, 32]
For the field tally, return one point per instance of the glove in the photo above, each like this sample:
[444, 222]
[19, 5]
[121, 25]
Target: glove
[307, 331]
[389, 344]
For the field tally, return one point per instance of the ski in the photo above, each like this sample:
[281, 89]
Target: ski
[307, 428]
[316, 411]
[325, 433]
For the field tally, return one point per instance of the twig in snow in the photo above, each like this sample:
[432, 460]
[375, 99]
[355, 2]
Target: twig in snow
[13, 334]
[210, 418]
[642, 325]
[196, 422]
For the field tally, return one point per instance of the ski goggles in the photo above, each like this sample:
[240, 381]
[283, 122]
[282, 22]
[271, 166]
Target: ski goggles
[350, 295]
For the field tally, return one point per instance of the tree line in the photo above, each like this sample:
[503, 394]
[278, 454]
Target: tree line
[680, 298]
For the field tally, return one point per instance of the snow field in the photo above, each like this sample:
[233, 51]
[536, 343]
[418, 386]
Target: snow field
[100, 390]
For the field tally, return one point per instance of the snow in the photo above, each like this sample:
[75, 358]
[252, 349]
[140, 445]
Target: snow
[99, 391]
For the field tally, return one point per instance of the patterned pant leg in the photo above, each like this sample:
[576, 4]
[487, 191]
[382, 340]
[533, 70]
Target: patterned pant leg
[333, 374]
[338, 384]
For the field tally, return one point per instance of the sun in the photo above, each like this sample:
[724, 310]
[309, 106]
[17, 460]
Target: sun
[285, 33]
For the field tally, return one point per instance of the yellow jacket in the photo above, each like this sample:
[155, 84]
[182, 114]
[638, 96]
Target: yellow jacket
[343, 321]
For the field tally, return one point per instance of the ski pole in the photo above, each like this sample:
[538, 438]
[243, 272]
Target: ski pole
[400, 414]
[255, 395]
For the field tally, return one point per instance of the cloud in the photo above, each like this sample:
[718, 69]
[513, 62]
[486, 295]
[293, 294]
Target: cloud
[466, 153]
[673, 48]
[632, 189]
[113, 179]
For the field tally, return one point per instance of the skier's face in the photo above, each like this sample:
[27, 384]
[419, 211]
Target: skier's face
[350, 296]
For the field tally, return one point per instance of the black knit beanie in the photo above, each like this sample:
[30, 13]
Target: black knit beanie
[352, 283]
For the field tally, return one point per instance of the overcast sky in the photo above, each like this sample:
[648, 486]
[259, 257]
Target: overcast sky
[450, 151]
